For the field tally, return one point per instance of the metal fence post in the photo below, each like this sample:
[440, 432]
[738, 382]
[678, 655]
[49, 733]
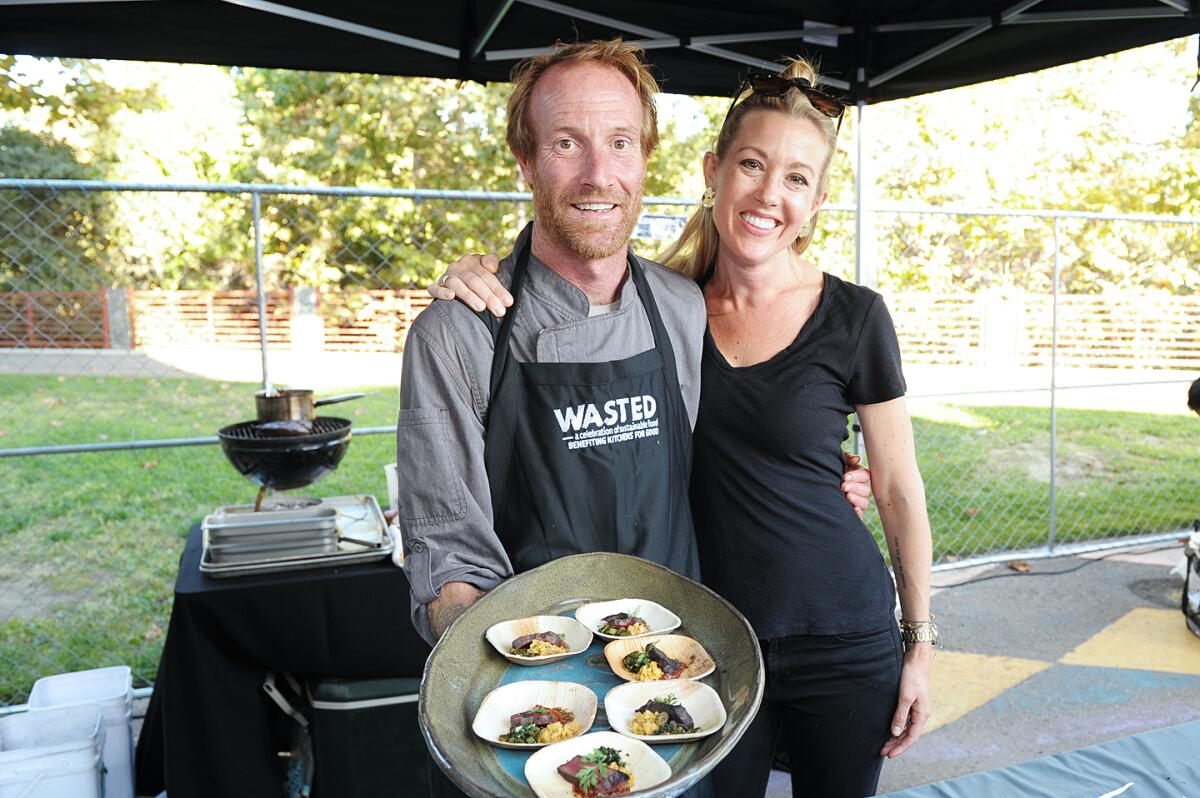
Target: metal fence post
[1053, 387]
[256, 205]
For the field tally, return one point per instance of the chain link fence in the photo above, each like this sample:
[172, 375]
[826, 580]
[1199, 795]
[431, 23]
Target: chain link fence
[1047, 403]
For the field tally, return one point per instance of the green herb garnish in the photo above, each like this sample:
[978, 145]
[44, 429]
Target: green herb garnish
[597, 766]
[669, 699]
[528, 734]
[639, 659]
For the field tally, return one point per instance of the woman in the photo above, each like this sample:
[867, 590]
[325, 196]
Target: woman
[790, 352]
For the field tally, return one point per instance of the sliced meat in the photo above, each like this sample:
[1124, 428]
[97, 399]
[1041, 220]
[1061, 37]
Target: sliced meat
[674, 712]
[670, 667]
[614, 782]
[621, 620]
[547, 637]
[542, 716]
[569, 770]
[538, 716]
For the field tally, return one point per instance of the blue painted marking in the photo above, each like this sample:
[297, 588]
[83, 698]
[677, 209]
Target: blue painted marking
[589, 669]
[1065, 689]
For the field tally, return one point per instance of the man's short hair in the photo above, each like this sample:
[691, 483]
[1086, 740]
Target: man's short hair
[1194, 396]
[620, 55]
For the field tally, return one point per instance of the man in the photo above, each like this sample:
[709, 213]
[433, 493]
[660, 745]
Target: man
[576, 435]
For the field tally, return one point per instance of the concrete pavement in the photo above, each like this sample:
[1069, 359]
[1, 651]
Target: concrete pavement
[1077, 651]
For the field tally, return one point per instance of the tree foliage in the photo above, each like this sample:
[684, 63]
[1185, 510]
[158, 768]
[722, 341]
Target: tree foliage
[1065, 138]
[377, 131]
[57, 240]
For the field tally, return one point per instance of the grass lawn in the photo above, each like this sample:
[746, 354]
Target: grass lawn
[89, 543]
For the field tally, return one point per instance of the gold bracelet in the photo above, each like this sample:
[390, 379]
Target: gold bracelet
[907, 624]
[913, 632]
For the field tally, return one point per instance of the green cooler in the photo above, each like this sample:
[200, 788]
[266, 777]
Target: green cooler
[366, 738]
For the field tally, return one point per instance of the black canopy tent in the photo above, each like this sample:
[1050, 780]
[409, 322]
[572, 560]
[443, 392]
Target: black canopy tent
[872, 51]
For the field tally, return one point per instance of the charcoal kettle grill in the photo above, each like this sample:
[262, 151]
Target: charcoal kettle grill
[276, 462]
[286, 447]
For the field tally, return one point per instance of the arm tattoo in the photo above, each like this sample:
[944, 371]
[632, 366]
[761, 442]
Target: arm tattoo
[900, 577]
[442, 614]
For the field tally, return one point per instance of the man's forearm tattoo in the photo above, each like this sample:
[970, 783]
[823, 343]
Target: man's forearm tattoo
[900, 577]
[442, 614]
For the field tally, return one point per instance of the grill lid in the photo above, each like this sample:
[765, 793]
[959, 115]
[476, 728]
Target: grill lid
[249, 431]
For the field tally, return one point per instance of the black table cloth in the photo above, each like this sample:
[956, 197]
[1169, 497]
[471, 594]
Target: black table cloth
[210, 730]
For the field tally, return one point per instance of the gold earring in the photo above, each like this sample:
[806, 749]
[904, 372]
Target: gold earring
[708, 198]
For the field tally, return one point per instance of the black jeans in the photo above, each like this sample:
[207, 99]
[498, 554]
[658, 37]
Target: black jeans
[829, 702]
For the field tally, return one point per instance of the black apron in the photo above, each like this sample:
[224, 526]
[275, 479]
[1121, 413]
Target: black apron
[588, 457]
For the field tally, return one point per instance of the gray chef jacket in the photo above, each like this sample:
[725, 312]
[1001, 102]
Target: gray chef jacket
[444, 499]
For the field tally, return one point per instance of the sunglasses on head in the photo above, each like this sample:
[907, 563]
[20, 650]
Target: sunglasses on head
[768, 85]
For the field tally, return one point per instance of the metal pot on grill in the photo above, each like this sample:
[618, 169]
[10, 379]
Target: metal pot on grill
[294, 404]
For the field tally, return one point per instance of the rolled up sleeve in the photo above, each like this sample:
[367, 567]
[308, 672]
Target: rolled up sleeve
[444, 496]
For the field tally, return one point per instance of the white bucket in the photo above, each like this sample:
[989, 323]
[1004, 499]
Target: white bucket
[112, 690]
[52, 754]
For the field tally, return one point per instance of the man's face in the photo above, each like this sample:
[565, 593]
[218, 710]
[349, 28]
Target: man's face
[587, 168]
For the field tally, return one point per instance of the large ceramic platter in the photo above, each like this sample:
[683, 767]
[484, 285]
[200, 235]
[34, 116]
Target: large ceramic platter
[464, 668]
[541, 771]
[574, 634]
[700, 701]
[660, 619]
[697, 662]
[494, 715]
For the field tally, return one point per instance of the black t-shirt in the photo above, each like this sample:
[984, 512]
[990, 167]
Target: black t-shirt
[777, 537]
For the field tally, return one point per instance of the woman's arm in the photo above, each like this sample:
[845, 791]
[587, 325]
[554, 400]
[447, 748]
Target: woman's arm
[900, 497]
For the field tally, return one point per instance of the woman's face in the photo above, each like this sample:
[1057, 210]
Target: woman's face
[766, 187]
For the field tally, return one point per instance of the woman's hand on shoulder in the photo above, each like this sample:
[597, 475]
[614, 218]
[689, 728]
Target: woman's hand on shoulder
[472, 280]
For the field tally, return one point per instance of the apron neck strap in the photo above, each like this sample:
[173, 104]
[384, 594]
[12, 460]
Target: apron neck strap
[502, 352]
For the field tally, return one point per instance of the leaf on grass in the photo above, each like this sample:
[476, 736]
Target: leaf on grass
[150, 464]
[971, 512]
[103, 436]
[153, 633]
[1019, 565]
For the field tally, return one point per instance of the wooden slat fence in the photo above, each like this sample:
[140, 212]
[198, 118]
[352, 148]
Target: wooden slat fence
[937, 328]
[1095, 331]
[1133, 330]
[54, 319]
[370, 321]
[208, 318]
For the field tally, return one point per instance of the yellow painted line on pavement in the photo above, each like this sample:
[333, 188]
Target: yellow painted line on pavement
[963, 682]
[1144, 639]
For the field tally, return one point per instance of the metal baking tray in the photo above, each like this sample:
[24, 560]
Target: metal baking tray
[278, 540]
[362, 537]
[233, 522]
[247, 552]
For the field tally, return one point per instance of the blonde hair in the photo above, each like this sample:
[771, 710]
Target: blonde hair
[620, 55]
[695, 252]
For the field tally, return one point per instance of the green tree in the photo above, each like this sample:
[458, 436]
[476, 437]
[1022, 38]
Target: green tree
[61, 241]
[378, 131]
[48, 239]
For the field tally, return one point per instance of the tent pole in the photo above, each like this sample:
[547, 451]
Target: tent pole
[863, 272]
[858, 192]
